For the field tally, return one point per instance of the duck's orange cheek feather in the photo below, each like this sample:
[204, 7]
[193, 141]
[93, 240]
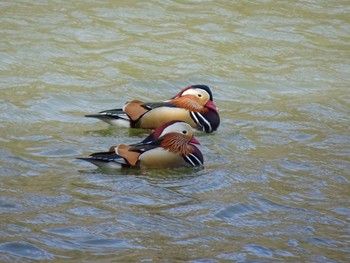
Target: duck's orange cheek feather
[188, 102]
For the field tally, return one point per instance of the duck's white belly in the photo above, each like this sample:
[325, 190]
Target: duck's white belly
[118, 122]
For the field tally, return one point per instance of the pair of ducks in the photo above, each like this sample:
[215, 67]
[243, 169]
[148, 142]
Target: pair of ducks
[172, 143]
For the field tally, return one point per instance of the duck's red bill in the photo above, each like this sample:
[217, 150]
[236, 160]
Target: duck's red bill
[194, 141]
[211, 105]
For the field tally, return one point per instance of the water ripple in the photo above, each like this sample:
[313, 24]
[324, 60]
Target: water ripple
[25, 249]
[275, 182]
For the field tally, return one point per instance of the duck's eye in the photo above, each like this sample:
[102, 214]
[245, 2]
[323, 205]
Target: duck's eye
[184, 132]
[199, 95]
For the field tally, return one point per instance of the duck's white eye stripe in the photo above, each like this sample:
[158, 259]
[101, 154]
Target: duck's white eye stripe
[195, 92]
[178, 127]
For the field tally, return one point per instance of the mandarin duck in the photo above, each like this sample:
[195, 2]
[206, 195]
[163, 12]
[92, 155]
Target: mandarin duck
[193, 104]
[169, 146]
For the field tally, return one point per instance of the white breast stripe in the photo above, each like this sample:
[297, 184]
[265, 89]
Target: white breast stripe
[189, 159]
[193, 114]
[195, 157]
[205, 120]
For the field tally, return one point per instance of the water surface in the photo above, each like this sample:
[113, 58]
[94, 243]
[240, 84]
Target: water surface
[275, 186]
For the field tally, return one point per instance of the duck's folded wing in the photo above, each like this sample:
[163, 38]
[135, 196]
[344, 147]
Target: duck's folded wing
[135, 109]
[154, 105]
[147, 144]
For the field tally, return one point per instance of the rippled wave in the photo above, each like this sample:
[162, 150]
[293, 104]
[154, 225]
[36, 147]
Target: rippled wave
[276, 176]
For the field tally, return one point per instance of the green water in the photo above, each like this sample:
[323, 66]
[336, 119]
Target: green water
[275, 186]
